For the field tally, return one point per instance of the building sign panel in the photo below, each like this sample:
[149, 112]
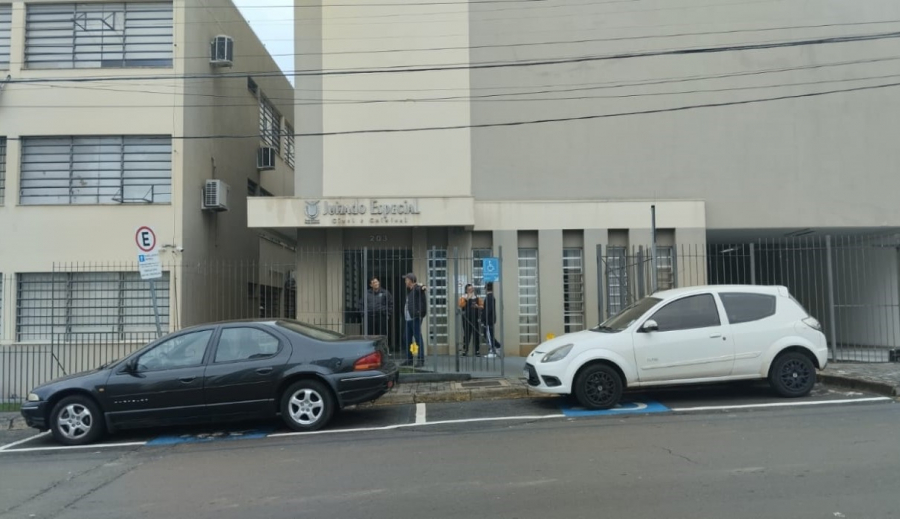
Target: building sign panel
[360, 212]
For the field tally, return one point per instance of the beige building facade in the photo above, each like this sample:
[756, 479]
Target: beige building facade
[542, 131]
[113, 116]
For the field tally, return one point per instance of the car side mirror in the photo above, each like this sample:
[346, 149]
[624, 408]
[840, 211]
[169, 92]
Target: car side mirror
[650, 326]
[130, 367]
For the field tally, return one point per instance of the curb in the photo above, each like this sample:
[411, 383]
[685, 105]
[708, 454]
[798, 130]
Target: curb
[465, 395]
[412, 378]
[881, 388]
[16, 424]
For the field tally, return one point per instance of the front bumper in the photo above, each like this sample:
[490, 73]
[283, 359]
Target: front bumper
[367, 386]
[35, 414]
[545, 379]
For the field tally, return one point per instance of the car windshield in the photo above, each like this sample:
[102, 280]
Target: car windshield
[310, 331]
[623, 319]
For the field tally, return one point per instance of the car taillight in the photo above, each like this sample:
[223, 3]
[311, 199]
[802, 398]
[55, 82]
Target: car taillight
[370, 361]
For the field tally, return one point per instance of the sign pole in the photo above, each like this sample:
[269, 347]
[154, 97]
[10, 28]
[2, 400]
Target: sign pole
[155, 308]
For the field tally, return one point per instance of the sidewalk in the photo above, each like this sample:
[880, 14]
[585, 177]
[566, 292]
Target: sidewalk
[882, 378]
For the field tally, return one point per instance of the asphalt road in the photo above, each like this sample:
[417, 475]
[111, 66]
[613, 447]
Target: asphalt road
[459, 461]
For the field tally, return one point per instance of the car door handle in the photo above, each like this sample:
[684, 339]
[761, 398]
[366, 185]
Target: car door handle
[715, 336]
[264, 371]
[187, 380]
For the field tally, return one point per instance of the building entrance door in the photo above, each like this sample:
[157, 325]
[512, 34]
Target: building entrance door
[362, 316]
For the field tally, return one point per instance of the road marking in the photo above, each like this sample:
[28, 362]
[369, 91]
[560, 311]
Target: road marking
[420, 413]
[407, 425]
[26, 440]
[72, 447]
[780, 404]
[646, 407]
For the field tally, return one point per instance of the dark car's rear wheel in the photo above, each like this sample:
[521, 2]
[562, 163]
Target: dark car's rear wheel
[598, 387]
[76, 420]
[792, 375]
[307, 405]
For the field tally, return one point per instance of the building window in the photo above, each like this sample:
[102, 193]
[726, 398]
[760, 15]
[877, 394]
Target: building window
[478, 256]
[289, 143]
[573, 289]
[5, 32]
[64, 305]
[529, 309]
[269, 123]
[263, 192]
[437, 297]
[665, 268]
[99, 35]
[616, 280]
[2, 169]
[252, 188]
[96, 170]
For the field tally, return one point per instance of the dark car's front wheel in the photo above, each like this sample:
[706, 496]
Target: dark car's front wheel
[76, 420]
[307, 406]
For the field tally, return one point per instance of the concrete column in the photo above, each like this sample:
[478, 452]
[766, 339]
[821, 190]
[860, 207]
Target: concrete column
[550, 286]
[594, 297]
[507, 290]
[690, 257]
[312, 286]
[334, 274]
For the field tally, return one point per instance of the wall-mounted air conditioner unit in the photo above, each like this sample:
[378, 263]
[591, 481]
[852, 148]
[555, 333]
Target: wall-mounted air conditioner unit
[265, 158]
[215, 195]
[221, 51]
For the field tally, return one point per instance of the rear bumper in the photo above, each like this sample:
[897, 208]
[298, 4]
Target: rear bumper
[35, 414]
[366, 386]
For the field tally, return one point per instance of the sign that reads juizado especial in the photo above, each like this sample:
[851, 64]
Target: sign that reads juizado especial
[361, 213]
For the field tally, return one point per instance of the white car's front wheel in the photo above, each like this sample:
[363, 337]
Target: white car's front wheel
[598, 387]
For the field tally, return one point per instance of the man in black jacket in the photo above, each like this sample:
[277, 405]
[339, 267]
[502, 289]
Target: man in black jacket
[490, 319]
[415, 309]
[378, 306]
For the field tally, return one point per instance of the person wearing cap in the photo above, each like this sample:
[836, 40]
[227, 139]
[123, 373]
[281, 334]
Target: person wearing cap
[415, 309]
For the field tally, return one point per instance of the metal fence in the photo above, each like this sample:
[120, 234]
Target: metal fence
[79, 316]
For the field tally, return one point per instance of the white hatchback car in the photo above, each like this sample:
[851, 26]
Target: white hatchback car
[686, 336]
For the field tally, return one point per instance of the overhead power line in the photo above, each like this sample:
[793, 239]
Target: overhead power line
[482, 66]
[507, 124]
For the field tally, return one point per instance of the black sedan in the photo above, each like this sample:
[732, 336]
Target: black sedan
[217, 373]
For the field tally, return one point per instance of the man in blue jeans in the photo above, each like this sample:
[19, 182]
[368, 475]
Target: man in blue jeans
[415, 309]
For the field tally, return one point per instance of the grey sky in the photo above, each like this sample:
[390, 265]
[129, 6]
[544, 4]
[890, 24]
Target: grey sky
[273, 22]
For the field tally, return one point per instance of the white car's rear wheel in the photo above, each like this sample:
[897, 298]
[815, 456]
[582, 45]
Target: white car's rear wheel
[598, 387]
[792, 375]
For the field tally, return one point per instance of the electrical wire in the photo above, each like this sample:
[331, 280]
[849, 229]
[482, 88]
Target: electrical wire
[485, 65]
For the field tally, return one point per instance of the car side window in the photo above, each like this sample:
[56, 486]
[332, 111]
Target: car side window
[183, 351]
[745, 308]
[237, 344]
[689, 313]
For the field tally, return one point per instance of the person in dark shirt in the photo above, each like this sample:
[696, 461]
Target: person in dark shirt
[490, 319]
[471, 306]
[378, 306]
[414, 310]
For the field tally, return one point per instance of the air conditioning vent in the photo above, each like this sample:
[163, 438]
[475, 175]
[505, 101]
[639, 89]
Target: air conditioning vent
[221, 51]
[215, 196]
[265, 158]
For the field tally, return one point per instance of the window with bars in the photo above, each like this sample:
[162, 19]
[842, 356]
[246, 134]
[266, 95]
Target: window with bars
[289, 143]
[99, 35]
[2, 169]
[478, 256]
[96, 170]
[5, 32]
[616, 280]
[529, 308]
[573, 289]
[252, 188]
[437, 297]
[665, 268]
[66, 304]
[269, 123]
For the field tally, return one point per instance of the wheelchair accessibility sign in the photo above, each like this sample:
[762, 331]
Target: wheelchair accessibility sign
[645, 407]
[491, 269]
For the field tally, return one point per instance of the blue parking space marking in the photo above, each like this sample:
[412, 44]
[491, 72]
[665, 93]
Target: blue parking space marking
[644, 407]
[253, 434]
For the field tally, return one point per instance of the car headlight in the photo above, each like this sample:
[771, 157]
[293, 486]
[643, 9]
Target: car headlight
[558, 354]
[33, 397]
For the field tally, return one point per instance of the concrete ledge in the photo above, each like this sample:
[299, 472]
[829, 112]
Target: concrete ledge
[881, 388]
[15, 424]
[411, 378]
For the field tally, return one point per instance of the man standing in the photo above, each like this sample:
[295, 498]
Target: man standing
[415, 309]
[379, 305]
[490, 319]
